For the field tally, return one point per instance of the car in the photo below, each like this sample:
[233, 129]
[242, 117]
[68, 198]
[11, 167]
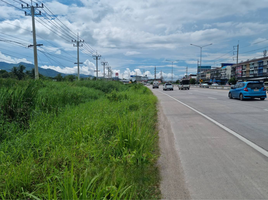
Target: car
[204, 85]
[215, 84]
[155, 84]
[168, 86]
[266, 85]
[184, 84]
[248, 90]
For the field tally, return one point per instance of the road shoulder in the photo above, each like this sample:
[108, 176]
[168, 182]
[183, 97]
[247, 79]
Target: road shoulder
[172, 177]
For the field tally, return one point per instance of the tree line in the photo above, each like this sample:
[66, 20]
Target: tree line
[20, 74]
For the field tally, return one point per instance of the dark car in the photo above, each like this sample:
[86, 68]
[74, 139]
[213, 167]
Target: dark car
[248, 90]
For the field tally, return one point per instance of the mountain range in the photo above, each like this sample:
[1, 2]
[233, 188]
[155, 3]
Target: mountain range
[44, 72]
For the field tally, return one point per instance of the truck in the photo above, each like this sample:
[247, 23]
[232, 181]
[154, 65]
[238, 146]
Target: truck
[155, 84]
[184, 84]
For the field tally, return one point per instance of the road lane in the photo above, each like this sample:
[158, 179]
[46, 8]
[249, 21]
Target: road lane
[248, 118]
[215, 164]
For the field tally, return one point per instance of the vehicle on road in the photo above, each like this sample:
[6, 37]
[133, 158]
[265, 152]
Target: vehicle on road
[266, 85]
[184, 85]
[215, 84]
[168, 86]
[204, 85]
[155, 84]
[248, 90]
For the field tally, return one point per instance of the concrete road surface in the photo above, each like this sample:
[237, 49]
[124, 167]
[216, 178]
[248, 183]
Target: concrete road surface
[202, 160]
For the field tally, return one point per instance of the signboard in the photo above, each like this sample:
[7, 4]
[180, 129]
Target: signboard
[116, 74]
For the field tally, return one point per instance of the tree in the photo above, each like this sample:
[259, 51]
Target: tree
[4, 74]
[232, 81]
[59, 77]
[69, 78]
[177, 81]
[31, 73]
[18, 72]
[192, 81]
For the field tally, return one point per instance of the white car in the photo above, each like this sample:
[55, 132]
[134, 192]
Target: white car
[204, 85]
[215, 84]
[168, 86]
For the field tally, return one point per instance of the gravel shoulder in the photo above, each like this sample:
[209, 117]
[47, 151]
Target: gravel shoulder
[172, 177]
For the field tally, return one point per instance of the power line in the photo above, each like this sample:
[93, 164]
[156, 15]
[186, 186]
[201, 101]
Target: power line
[12, 5]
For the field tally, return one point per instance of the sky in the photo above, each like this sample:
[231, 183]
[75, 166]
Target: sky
[135, 37]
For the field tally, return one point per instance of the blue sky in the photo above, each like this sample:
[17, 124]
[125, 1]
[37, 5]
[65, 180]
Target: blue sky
[135, 36]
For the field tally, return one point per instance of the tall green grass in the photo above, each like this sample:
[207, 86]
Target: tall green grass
[101, 144]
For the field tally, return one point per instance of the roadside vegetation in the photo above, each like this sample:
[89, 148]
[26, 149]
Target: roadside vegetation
[77, 140]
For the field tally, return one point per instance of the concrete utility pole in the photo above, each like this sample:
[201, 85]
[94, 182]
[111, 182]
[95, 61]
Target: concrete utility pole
[78, 45]
[104, 63]
[237, 54]
[34, 34]
[155, 73]
[96, 57]
[109, 72]
[172, 61]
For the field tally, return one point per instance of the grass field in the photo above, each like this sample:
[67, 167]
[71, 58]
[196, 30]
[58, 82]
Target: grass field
[81, 140]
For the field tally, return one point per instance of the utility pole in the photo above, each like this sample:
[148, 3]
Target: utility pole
[104, 63]
[96, 57]
[186, 72]
[109, 72]
[237, 54]
[161, 76]
[172, 74]
[155, 73]
[78, 45]
[172, 61]
[34, 34]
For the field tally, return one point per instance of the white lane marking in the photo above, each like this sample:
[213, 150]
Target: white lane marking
[254, 146]
[212, 98]
[266, 109]
[190, 93]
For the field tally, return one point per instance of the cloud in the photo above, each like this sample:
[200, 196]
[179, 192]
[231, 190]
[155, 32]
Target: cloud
[145, 31]
[9, 59]
[87, 68]
[131, 53]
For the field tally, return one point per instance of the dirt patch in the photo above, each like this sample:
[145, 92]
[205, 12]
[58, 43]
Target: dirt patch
[172, 184]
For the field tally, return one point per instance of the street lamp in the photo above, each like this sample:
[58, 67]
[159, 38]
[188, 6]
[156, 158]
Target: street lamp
[172, 61]
[201, 52]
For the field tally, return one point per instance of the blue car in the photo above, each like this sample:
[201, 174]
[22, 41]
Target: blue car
[248, 90]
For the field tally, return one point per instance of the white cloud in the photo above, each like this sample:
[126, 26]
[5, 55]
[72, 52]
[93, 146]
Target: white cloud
[150, 29]
[9, 59]
[87, 68]
[131, 53]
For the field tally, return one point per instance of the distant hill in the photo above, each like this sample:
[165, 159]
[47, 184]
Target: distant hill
[44, 72]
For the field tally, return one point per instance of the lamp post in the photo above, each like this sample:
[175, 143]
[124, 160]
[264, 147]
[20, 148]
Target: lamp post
[172, 61]
[201, 52]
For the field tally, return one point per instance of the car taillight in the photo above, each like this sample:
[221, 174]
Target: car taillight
[245, 89]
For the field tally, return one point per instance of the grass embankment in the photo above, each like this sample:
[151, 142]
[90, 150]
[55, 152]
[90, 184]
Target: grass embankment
[84, 140]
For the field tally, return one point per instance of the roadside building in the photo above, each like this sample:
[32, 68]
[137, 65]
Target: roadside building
[201, 69]
[192, 76]
[255, 69]
[226, 72]
[215, 75]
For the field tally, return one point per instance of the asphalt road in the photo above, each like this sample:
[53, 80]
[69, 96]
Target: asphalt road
[215, 164]
[248, 118]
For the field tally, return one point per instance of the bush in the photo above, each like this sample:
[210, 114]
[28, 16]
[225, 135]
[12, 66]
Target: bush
[101, 149]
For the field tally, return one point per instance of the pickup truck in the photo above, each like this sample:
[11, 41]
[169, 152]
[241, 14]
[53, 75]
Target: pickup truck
[184, 85]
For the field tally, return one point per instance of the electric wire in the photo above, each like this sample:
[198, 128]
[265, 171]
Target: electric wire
[12, 5]
[50, 23]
